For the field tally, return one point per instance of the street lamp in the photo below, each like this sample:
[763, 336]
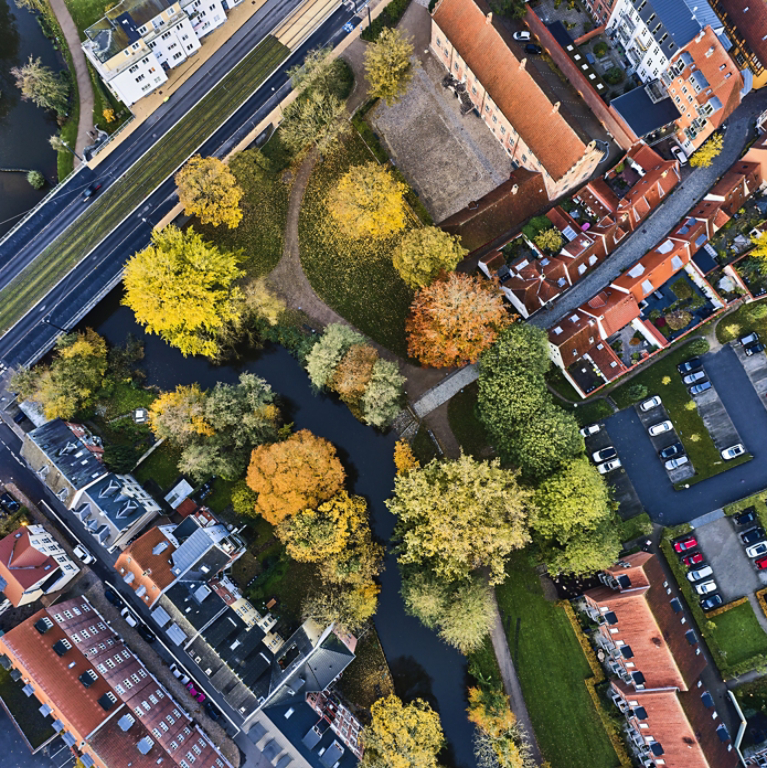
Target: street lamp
[47, 321]
[64, 144]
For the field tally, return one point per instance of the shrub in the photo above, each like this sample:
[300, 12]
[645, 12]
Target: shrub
[390, 16]
[757, 311]
[678, 319]
[637, 392]
[600, 49]
[614, 75]
[36, 179]
[682, 289]
[698, 347]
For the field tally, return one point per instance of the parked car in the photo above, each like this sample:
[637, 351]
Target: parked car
[706, 587]
[753, 349]
[590, 430]
[660, 428]
[711, 602]
[746, 517]
[679, 154]
[82, 554]
[112, 596]
[195, 694]
[522, 37]
[757, 550]
[761, 563]
[752, 338]
[679, 461]
[9, 504]
[604, 454]
[129, 616]
[670, 451]
[693, 364]
[754, 535]
[733, 451]
[146, 633]
[649, 404]
[179, 674]
[689, 542]
[212, 710]
[698, 388]
[533, 49]
[700, 574]
[694, 378]
[608, 466]
[92, 190]
[694, 558]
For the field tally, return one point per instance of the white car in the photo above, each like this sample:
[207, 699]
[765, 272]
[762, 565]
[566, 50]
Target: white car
[706, 587]
[733, 451]
[608, 466]
[679, 154]
[660, 428]
[648, 405]
[82, 554]
[679, 461]
[752, 338]
[694, 378]
[591, 429]
[757, 550]
[522, 37]
[700, 574]
[130, 618]
[179, 674]
[605, 454]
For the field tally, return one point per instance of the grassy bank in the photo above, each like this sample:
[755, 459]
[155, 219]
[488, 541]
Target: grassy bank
[741, 322]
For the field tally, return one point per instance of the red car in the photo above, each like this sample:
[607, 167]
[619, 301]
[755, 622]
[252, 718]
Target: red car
[761, 563]
[694, 558]
[684, 544]
[194, 693]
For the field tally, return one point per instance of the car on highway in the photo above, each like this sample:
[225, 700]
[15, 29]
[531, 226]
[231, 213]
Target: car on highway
[711, 602]
[761, 563]
[533, 49]
[751, 338]
[82, 554]
[706, 587]
[591, 429]
[650, 403]
[604, 454]
[694, 558]
[694, 378]
[733, 451]
[670, 451]
[753, 349]
[679, 154]
[608, 466]
[660, 428]
[679, 461]
[700, 574]
[129, 616]
[92, 190]
[522, 37]
[179, 674]
[689, 542]
[112, 596]
[693, 364]
[746, 517]
[697, 389]
[754, 535]
[146, 633]
[757, 550]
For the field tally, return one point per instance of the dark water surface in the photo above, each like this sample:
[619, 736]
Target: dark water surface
[422, 665]
[24, 128]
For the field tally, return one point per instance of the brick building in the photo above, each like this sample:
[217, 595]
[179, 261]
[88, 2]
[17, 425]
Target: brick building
[745, 24]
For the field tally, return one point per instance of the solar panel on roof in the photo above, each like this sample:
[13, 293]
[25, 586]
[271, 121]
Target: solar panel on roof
[723, 733]
[626, 652]
[692, 638]
[312, 738]
[611, 618]
[624, 581]
[176, 634]
[332, 754]
[638, 678]
[640, 713]
[676, 605]
[656, 748]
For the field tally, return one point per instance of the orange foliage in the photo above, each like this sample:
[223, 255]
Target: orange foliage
[354, 372]
[404, 458]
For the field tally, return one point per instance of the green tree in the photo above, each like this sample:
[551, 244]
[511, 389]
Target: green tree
[42, 86]
[348, 607]
[425, 252]
[637, 392]
[327, 353]
[389, 66]
[315, 119]
[459, 516]
[120, 458]
[383, 396]
[36, 179]
[243, 499]
[425, 596]
[587, 552]
[468, 617]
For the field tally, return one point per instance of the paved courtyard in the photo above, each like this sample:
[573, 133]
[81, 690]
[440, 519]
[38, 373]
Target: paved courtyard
[450, 160]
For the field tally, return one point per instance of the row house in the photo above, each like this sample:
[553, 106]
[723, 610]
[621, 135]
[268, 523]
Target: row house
[535, 129]
[109, 710]
[656, 664]
[745, 24]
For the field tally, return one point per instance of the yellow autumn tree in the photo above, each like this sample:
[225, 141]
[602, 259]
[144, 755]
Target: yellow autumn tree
[368, 202]
[404, 458]
[208, 190]
[499, 744]
[424, 252]
[389, 66]
[179, 416]
[704, 157]
[183, 289]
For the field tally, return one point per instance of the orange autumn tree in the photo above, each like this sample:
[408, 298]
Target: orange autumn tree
[453, 321]
[298, 473]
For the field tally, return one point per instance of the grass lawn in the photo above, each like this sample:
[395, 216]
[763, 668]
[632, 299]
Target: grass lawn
[85, 13]
[483, 666]
[557, 381]
[758, 501]
[552, 669]
[36, 728]
[739, 323]
[123, 398]
[466, 425]
[596, 410]
[662, 378]
[354, 277]
[631, 529]
[161, 466]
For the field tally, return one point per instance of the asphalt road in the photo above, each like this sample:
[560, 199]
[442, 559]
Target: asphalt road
[77, 293]
[669, 507]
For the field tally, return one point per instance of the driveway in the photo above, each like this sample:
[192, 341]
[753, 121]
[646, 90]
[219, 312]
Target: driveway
[664, 440]
[715, 417]
[755, 367]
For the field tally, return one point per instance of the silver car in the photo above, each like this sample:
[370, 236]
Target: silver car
[694, 378]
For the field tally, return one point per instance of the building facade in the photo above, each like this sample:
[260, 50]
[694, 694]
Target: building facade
[745, 24]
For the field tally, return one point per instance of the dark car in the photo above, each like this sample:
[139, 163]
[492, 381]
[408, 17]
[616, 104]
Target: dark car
[752, 536]
[677, 449]
[711, 602]
[146, 633]
[112, 596]
[746, 517]
[9, 504]
[212, 710]
[19, 417]
[689, 366]
[752, 349]
[536, 50]
[92, 190]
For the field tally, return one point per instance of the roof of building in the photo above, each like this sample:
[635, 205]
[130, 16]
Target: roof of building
[642, 114]
[148, 562]
[67, 453]
[614, 309]
[678, 18]
[21, 565]
[485, 47]
[751, 22]
[654, 268]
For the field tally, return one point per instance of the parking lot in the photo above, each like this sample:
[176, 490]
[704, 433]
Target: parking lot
[755, 367]
[717, 420]
[654, 416]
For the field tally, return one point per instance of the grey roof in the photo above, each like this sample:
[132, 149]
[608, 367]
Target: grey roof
[67, 453]
[107, 497]
[198, 558]
[197, 613]
[676, 18]
[160, 615]
[642, 114]
[176, 634]
[332, 754]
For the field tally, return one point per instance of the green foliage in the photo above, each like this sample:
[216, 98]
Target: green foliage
[42, 86]
[423, 253]
[465, 424]
[614, 75]
[383, 396]
[698, 347]
[243, 500]
[326, 354]
[389, 66]
[389, 17]
[314, 118]
[36, 179]
[120, 458]
[636, 392]
[600, 49]
[586, 552]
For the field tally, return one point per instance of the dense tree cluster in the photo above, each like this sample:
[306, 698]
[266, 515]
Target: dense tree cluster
[498, 743]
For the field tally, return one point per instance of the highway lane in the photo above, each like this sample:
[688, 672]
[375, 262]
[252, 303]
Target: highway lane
[20, 247]
[68, 302]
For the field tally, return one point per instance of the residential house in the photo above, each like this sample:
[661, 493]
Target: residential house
[114, 509]
[109, 710]
[745, 24]
[33, 564]
[145, 565]
[66, 457]
[516, 106]
[656, 660]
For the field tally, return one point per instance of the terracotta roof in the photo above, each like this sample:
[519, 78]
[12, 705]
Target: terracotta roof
[150, 571]
[652, 270]
[486, 50]
[635, 571]
[187, 507]
[21, 565]
[737, 184]
[598, 196]
[606, 360]
[614, 310]
[705, 730]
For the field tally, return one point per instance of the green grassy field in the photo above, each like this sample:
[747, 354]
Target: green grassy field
[85, 12]
[120, 199]
[741, 322]
[552, 669]
[161, 466]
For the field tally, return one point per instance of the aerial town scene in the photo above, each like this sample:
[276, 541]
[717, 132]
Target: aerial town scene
[383, 383]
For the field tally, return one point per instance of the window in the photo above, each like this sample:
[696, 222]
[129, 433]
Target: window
[503, 130]
[156, 732]
[139, 711]
[145, 704]
[135, 678]
[164, 726]
[173, 745]
[138, 80]
[128, 684]
[176, 714]
[153, 698]
[439, 43]
[196, 749]
[728, 76]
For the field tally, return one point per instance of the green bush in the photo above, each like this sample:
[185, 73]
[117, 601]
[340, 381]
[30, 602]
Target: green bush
[36, 179]
[600, 49]
[682, 289]
[637, 392]
[756, 311]
[614, 75]
[390, 17]
[698, 347]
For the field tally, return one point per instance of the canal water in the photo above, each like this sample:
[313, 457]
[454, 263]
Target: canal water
[24, 128]
[421, 664]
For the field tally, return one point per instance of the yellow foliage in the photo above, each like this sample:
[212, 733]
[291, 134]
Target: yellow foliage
[209, 190]
[179, 415]
[388, 66]
[109, 115]
[704, 157]
[726, 607]
[404, 458]
[491, 712]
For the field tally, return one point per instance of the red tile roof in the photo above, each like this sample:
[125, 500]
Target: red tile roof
[614, 309]
[21, 565]
[485, 48]
[152, 571]
[655, 268]
[751, 21]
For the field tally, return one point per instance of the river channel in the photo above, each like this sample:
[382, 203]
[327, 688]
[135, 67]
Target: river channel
[421, 664]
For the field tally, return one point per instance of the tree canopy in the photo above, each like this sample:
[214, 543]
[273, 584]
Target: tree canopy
[42, 86]
[704, 156]
[453, 321]
[425, 252]
[184, 289]
[208, 190]
[389, 66]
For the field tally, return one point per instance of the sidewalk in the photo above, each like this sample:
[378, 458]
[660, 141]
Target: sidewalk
[84, 86]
